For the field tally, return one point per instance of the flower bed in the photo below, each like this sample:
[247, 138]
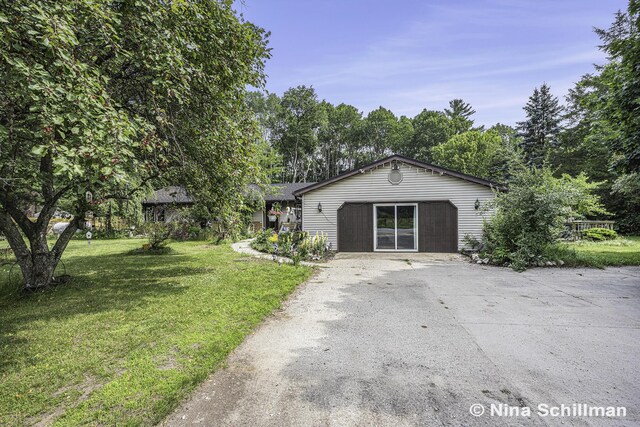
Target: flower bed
[297, 245]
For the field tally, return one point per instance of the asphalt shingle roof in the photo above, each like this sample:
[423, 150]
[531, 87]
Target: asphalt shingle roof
[284, 191]
[168, 195]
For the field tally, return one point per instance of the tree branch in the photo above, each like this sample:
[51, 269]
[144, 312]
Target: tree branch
[10, 230]
[65, 237]
[46, 175]
[130, 193]
[10, 207]
[48, 209]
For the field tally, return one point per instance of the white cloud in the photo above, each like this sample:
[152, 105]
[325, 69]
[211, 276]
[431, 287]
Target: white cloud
[475, 53]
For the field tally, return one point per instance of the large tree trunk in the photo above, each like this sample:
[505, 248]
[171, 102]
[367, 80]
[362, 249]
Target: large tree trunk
[37, 270]
[37, 261]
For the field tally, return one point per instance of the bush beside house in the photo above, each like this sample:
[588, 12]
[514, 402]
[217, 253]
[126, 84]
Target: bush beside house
[531, 216]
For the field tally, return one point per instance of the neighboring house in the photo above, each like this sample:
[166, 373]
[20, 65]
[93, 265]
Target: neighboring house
[281, 194]
[165, 203]
[397, 204]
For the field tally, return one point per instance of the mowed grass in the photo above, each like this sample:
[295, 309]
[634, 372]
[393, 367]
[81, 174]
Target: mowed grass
[622, 251]
[130, 335]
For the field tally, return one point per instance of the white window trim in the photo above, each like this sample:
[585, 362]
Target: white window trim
[415, 227]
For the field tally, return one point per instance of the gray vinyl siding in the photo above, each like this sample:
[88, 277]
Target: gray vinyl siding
[373, 186]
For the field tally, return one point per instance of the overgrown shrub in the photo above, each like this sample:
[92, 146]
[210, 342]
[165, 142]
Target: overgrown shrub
[531, 216]
[158, 234]
[262, 242]
[599, 234]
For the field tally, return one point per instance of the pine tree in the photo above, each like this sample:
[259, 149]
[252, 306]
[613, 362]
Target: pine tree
[459, 112]
[542, 127]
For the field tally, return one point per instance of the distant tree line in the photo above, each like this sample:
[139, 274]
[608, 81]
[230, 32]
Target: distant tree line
[314, 140]
[596, 132]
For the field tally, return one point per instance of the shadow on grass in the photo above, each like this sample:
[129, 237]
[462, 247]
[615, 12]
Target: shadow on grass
[99, 283]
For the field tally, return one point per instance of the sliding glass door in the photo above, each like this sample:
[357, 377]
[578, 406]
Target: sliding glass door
[395, 227]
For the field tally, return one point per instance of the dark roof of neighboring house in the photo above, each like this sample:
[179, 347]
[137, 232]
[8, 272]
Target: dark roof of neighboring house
[402, 159]
[168, 195]
[284, 192]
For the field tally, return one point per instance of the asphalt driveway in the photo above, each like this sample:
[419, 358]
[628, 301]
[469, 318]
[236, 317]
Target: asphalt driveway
[415, 339]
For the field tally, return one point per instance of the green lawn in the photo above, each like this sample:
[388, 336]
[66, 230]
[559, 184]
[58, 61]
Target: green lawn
[622, 251]
[130, 335]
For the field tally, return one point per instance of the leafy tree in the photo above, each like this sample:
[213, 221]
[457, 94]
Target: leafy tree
[508, 135]
[510, 156]
[295, 134]
[477, 153]
[430, 128]
[583, 143]
[618, 98]
[404, 133]
[459, 112]
[541, 128]
[266, 108]
[338, 139]
[626, 191]
[380, 133]
[532, 215]
[602, 136]
[109, 97]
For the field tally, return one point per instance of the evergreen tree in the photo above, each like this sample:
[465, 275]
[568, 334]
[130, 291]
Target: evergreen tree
[542, 127]
[617, 101]
[459, 112]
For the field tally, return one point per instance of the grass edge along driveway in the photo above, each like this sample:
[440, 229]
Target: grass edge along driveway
[131, 335]
[618, 252]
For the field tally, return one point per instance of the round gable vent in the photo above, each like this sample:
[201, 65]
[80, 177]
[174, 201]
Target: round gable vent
[395, 177]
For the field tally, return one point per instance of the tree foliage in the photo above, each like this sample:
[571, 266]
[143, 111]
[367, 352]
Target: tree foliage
[107, 97]
[460, 112]
[431, 128]
[618, 98]
[533, 213]
[541, 128]
[601, 135]
[316, 140]
[338, 136]
[295, 134]
[482, 154]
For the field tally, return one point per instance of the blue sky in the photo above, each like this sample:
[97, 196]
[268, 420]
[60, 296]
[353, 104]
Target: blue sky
[411, 55]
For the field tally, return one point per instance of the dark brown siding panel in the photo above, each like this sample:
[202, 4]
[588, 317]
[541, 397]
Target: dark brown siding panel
[438, 227]
[355, 227]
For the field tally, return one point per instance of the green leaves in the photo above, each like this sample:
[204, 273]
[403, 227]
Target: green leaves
[541, 129]
[615, 95]
[108, 96]
[533, 213]
[474, 152]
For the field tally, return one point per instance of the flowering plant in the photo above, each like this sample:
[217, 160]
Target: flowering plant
[276, 209]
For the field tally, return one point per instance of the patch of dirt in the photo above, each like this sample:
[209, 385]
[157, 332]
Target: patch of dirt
[85, 388]
[170, 360]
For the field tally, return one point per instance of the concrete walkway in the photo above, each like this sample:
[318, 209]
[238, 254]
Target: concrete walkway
[416, 340]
